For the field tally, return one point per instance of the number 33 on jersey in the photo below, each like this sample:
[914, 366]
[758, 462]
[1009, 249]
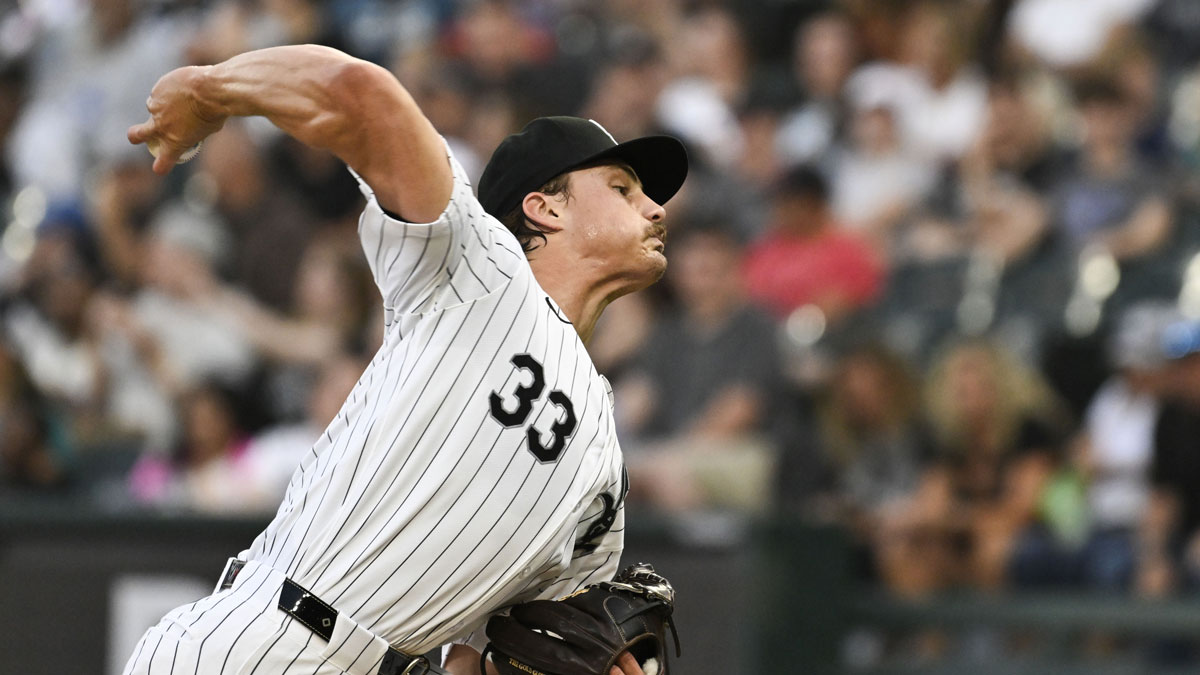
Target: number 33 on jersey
[527, 395]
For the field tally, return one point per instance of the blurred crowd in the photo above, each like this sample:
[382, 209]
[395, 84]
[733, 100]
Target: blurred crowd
[935, 274]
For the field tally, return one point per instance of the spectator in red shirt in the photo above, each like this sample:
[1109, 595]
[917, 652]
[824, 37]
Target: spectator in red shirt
[806, 259]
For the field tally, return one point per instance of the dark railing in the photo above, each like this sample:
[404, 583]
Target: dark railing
[754, 597]
[63, 570]
[1053, 631]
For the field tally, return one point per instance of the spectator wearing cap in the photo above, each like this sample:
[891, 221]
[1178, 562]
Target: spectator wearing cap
[1093, 542]
[805, 258]
[1169, 536]
[46, 321]
[51, 394]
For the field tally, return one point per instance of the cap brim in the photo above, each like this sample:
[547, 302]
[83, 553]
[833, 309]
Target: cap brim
[660, 162]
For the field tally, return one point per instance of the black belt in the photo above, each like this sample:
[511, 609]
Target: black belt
[320, 617]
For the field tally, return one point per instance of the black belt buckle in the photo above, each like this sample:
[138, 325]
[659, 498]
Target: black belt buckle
[396, 662]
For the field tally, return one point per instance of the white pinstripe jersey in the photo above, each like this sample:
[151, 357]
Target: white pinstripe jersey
[476, 462]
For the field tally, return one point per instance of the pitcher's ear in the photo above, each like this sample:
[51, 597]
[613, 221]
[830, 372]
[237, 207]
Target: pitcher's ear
[542, 211]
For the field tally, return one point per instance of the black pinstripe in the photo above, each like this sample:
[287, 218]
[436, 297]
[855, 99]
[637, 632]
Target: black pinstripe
[153, 653]
[204, 640]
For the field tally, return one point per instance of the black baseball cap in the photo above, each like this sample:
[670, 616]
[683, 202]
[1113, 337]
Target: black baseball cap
[549, 146]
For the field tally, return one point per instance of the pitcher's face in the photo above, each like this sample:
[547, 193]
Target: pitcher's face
[615, 224]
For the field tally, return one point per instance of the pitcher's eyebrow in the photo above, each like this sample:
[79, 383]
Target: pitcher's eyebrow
[628, 171]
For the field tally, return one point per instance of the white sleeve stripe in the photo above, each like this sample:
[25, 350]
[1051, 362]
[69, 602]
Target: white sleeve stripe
[444, 265]
[379, 245]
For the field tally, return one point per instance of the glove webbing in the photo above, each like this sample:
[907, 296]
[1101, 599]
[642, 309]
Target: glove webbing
[668, 623]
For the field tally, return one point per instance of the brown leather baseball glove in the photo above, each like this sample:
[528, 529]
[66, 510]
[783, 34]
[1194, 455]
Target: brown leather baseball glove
[585, 632]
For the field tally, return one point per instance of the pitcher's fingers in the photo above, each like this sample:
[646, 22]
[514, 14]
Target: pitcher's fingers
[166, 160]
[627, 665]
[168, 157]
[139, 133]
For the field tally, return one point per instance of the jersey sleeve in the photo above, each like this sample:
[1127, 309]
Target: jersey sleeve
[590, 568]
[419, 267]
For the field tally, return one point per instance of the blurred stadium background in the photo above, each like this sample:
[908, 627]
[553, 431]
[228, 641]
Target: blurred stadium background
[919, 393]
